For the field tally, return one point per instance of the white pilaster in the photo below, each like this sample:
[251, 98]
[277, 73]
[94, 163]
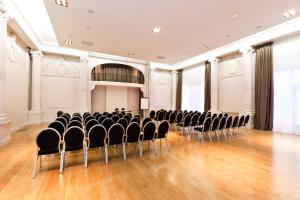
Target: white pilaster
[214, 84]
[84, 84]
[4, 120]
[174, 88]
[248, 64]
[35, 113]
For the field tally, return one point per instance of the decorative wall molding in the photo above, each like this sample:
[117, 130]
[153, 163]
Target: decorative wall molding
[60, 68]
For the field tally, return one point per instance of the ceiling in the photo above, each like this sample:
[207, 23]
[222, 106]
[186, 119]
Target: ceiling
[188, 26]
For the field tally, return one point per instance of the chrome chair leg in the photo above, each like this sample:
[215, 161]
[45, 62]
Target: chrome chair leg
[85, 156]
[106, 153]
[62, 159]
[209, 136]
[34, 166]
[141, 148]
[124, 151]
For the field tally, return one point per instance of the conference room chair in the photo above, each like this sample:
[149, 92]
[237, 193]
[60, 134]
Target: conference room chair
[109, 115]
[129, 114]
[120, 115]
[145, 121]
[62, 120]
[222, 126]
[208, 115]
[66, 117]
[127, 117]
[240, 124]
[135, 119]
[167, 116]
[133, 135]
[235, 123]
[116, 136]
[95, 114]
[214, 128]
[58, 126]
[90, 124]
[105, 113]
[214, 116]
[47, 142]
[228, 125]
[76, 118]
[77, 115]
[74, 123]
[101, 119]
[162, 133]
[194, 122]
[220, 115]
[204, 129]
[201, 120]
[178, 120]
[98, 116]
[123, 122]
[152, 114]
[185, 124]
[87, 119]
[246, 121]
[86, 114]
[148, 135]
[226, 115]
[138, 116]
[74, 140]
[115, 118]
[95, 139]
[107, 123]
[172, 118]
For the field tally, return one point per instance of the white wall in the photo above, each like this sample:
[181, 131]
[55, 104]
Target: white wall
[116, 97]
[193, 88]
[17, 83]
[133, 100]
[99, 99]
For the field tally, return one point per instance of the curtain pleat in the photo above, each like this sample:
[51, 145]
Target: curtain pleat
[264, 87]
[179, 90]
[207, 87]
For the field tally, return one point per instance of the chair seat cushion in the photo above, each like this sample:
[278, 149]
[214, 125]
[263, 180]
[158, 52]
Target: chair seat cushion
[49, 151]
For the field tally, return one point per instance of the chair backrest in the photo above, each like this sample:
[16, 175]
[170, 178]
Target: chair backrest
[220, 115]
[66, 117]
[228, 122]
[107, 123]
[95, 114]
[215, 124]
[90, 124]
[201, 119]
[137, 116]
[152, 114]
[47, 140]
[101, 119]
[105, 113]
[135, 119]
[149, 131]
[241, 121]
[145, 121]
[235, 122]
[172, 118]
[96, 136]
[89, 119]
[74, 123]
[187, 120]
[123, 122]
[86, 114]
[206, 125]
[127, 117]
[115, 118]
[58, 126]
[167, 117]
[208, 115]
[163, 129]
[179, 117]
[194, 120]
[246, 120]
[222, 123]
[73, 138]
[62, 120]
[120, 115]
[214, 116]
[226, 115]
[109, 115]
[116, 134]
[160, 116]
[76, 118]
[77, 115]
[133, 132]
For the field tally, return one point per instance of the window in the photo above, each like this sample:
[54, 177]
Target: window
[193, 88]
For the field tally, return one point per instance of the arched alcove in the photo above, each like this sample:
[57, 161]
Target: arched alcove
[115, 72]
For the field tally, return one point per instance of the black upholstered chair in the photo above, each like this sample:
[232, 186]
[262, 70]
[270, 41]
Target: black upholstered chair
[115, 118]
[86, 114]
[98, 116]
[57, 125]
[235, 124]
[148, 134]
[228, 125]
[135, 119]
[214, 116]
[246, 121]
[120, 115]
[168, 115]
[101, 119]
[88, 118]
[220, 115]
[66, 117]
[95, 139]
[107, 123]
[204, 129]
[185, 124]
[222, 126]
[73, 140]
[214, 128]
[76, 118]
[137, 116]
[105, 113]
[116, 136]
[201, 120]
[127, 117]
[48, 142]
[123, 122]
[133, 135]
[74, 123]
[160, 116]
[240, 124]
[95, 114]
[62, 120]
[194, 122]
[152, 114]
[172, 118]
[178, 119]
[90, 124]
[145, 121]
[162, 132]
[109, 115]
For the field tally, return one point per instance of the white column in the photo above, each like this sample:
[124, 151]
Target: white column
[4, 120]
[174, 88]
[84, 84]
[214, 84]
[248, 64]
[35, 113]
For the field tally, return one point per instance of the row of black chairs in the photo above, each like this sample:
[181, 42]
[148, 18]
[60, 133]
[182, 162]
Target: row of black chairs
[84, 132]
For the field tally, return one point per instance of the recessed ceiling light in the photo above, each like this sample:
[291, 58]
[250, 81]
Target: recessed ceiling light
[156, 30]
[235, 15]
[111, 44]
[228, 35]
[63, 3]
[259, 26]
[161, 57]
[289, 13]
[68, 42]
[131, 53]
[91, 11]
[88, 28]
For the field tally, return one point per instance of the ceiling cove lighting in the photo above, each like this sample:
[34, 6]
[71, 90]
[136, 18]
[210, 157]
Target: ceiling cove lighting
[289, 13]
[156, 30]
[63, 3]
[68, 42]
